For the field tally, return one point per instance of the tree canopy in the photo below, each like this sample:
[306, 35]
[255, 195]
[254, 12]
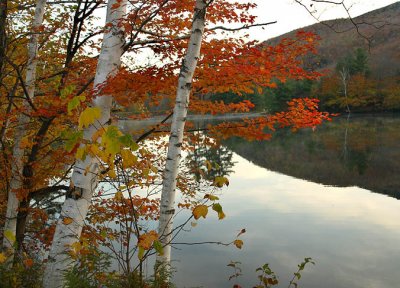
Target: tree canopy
[62, 72]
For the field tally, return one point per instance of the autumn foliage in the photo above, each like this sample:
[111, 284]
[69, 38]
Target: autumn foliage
[131, 169]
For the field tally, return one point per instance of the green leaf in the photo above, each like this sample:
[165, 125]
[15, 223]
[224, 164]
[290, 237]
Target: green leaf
[74, 103]
[103, 234]
[158, 247]
[220, 181]
[110, 140]
[141, 253]
[127, 141]
[211, 197]
[67, 90]
[88, 116]
[218, 208]
[72, 138]
[10, 236]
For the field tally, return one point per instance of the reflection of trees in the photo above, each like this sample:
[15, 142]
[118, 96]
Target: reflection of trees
[357, 160]
[354, 159]
[363, 152]
[208, 159]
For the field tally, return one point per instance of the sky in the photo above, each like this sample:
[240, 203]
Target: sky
[290, 15]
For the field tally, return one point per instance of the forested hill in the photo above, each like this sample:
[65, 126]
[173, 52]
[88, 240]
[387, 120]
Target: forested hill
[382, 25]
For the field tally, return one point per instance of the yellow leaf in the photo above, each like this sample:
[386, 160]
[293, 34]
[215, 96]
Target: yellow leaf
[80, 153]
[221, 215]
[119, 196]
[128, 159]
[97, 135]
[76, 247]
[3, 258]
[238, 243]
[220, 181]
[67, 220]
[208, 165]
[94, 150]
[10, 236]
[25, 142]
[88, 116]
[200, 211]
[112, 174]
[110, 140]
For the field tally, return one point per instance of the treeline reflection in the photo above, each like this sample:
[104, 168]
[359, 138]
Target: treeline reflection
[361, 151]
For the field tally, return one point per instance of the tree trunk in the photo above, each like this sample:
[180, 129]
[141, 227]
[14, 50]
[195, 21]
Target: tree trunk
[188, 67]
[345, 75]
[3, 34]
[84, 183]
[16, 182]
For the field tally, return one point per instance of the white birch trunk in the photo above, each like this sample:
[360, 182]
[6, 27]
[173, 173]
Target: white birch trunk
[189, 64]
[83, 184]
[16, 181]
[344, 76]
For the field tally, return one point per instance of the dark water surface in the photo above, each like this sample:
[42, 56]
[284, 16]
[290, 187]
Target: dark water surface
[331, 195]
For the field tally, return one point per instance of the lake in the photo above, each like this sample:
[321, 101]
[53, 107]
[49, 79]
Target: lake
[331, 194]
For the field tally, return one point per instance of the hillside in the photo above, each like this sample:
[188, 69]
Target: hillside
[382, 26]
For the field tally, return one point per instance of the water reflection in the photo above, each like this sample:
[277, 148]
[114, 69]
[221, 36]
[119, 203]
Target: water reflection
[352, 234]
[360, 151]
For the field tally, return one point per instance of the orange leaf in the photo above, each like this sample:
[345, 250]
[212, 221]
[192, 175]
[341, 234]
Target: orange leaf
[3, 258]
[146, 240]
[238, 243]
[67, 220]
[28, 262]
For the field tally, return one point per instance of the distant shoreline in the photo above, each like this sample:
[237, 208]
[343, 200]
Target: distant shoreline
[127, 124]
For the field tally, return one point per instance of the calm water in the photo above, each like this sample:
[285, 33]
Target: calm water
[329, 194]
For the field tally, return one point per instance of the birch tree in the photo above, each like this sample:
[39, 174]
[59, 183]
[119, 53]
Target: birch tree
[16, 182]
[84, 177]
[187, 70]
[3, 33]
[345, 77]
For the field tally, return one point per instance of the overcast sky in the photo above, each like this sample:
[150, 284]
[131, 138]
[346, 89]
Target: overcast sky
[291, 15]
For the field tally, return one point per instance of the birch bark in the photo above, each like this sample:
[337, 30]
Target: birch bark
[3, 34]
[84, 183]
[23, 120]
[188, 67]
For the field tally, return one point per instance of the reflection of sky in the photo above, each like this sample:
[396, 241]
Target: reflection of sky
[351, 233]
